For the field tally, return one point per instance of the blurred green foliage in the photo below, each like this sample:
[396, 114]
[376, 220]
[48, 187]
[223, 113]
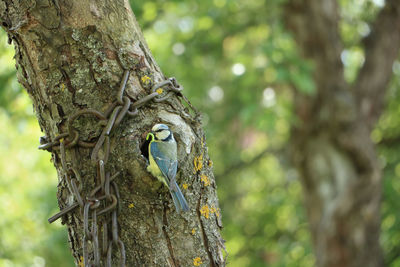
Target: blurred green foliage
[238, 65]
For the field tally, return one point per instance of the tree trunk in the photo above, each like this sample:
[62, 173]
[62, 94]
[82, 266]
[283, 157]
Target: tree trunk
[71, 56]
[335, 157]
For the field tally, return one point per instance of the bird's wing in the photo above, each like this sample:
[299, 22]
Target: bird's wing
[167, 166]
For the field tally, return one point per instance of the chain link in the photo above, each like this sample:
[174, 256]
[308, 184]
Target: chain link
[104, 199]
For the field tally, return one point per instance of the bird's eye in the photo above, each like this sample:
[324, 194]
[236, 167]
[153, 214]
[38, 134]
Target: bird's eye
[159, 130]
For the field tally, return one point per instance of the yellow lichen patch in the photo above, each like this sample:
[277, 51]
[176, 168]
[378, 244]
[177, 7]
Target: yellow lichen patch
[146, 79]
[205, 180]
[198, 163]
[193, 231]
[61, 140]
[197, 261]
[205, 211]
[80, 263]
[62, 87]
[159, 91]
[131, 205]
[210, 163]
[216, 211]
[185, 186]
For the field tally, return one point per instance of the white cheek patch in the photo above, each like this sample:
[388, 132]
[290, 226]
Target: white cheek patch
[162, 135]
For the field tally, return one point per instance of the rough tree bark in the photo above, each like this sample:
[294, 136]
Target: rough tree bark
[71, 55]
[336, 159]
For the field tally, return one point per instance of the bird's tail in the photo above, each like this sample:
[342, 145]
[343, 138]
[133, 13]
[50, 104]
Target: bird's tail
[179, 200]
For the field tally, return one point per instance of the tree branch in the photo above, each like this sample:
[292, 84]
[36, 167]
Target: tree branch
[381, 49]
[389, 141]
[242, 164]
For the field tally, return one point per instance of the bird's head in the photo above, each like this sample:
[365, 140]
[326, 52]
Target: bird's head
[161, 132]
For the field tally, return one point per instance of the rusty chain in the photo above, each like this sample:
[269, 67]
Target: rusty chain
[104, 199]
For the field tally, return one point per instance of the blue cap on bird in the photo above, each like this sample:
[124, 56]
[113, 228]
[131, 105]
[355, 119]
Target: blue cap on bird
[159, 127]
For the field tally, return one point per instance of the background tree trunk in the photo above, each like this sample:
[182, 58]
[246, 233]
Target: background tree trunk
[71, 55]
[332, 149]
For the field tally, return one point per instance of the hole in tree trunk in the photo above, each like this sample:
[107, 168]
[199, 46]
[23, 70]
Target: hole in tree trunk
[144, 148]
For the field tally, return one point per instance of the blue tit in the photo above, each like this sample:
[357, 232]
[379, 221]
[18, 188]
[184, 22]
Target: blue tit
[163, 162]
